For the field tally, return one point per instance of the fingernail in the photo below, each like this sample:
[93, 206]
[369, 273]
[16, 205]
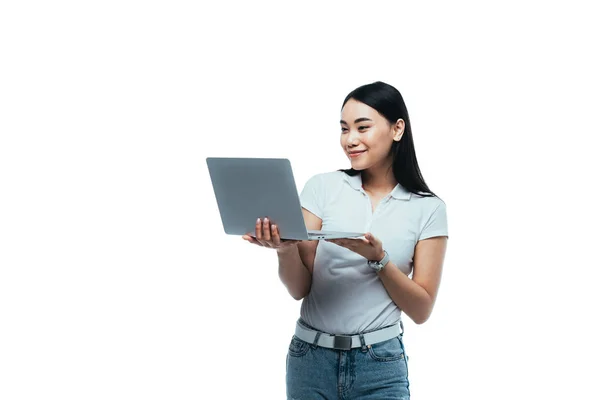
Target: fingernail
[258, 220]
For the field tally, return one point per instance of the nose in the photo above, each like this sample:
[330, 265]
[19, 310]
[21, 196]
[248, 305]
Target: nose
[352, 138]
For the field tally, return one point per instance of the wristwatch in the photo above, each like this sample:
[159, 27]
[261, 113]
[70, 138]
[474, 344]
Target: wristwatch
[378, 265]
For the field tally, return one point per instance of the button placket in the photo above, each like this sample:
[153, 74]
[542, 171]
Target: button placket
[369, 219]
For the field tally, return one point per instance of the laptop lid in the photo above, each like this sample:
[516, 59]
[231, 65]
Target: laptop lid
[251, 188]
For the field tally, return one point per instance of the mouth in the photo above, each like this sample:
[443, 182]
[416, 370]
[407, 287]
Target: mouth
[355, 154]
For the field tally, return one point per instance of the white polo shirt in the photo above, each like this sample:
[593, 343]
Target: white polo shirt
[346, 295]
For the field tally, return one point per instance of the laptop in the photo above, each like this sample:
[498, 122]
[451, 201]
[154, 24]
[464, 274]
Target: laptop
[251, 188]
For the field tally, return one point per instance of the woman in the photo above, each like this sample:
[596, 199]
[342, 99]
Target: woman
[348, 340]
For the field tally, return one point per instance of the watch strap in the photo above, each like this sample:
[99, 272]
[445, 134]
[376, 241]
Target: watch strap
[379, 264]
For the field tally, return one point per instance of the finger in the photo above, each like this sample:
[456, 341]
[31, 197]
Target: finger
[275, 236]
[354, 241]
[370, 238]
[267, 230]
[263, 243]
[258, 229]
[373, 241]
[254, 241]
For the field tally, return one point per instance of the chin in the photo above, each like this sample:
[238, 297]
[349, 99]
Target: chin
[358, 166]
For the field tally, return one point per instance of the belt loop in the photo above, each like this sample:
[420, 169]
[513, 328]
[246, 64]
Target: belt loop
[314, 344]
[362, 342]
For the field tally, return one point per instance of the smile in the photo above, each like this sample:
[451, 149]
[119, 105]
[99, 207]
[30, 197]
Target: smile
[354, 155]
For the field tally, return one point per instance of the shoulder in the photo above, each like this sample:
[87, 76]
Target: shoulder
[324, 186]
[333, 176]
[327, 179]
[428, 205]
[427, 201]
[433, 216]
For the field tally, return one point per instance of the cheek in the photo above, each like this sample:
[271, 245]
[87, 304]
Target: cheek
[372, 141]
[377, 141]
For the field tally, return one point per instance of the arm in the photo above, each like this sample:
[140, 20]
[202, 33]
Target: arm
[296, 263]
[416, 297]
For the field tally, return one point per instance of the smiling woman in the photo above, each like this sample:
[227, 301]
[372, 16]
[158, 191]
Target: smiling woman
[380, 122]
[348, 340]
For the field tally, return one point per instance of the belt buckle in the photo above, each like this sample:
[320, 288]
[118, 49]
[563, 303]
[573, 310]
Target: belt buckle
[341, 342]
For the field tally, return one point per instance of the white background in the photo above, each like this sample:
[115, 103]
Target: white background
[116, 279]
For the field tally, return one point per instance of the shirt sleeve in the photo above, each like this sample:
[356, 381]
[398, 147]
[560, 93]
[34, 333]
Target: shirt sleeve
[312, 196]
[437, 224]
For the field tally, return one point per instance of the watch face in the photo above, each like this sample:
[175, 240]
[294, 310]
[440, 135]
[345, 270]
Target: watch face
[375, 265]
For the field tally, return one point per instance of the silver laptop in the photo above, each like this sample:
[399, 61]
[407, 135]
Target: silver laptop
[251, 188]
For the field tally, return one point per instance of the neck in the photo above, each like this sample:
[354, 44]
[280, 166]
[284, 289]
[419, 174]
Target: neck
[379, 179]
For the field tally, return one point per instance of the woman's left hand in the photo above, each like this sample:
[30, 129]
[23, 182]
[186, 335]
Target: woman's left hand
[370, 247]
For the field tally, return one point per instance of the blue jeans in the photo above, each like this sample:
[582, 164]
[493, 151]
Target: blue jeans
[377, 372]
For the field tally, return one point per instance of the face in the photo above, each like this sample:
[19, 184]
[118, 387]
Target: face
[367, 136]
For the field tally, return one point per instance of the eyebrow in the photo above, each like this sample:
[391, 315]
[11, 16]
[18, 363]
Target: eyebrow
[356, 121]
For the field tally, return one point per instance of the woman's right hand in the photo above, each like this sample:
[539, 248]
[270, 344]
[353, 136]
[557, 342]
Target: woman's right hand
[267, 235]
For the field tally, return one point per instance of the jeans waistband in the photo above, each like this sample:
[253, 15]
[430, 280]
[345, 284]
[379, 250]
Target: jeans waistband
[346, 342]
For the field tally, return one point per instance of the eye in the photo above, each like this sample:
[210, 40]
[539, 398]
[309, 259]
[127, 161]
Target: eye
[361, 128]
[344, 129]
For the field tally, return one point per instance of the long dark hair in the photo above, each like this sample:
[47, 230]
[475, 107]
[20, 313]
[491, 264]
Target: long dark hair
[388, 101]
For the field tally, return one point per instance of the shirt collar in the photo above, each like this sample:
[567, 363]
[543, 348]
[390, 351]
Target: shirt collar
[355, 182]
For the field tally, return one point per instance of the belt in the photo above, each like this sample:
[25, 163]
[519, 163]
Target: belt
[346, 342]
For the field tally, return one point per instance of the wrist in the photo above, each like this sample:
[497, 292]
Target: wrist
[287, 249]
[380, 261]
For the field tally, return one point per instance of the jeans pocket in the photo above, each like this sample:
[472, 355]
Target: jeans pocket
[389, 350]
[298, 347]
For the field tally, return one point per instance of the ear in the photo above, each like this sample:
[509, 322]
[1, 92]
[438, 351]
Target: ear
[398, 129]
